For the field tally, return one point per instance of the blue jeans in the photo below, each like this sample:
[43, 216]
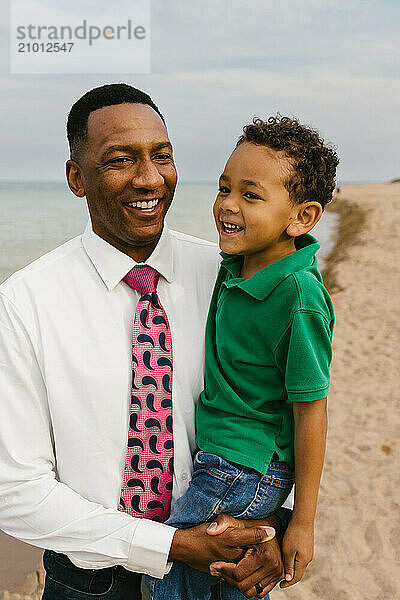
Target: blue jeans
[65, 581]
[218, 486]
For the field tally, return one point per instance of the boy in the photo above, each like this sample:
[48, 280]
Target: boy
[262, 414]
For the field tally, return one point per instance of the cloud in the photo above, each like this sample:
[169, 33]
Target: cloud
[320, 98]
[272, 35]
[216, 64]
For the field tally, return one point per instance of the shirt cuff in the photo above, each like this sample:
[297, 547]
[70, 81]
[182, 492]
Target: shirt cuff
[150, 548]
[310, 396]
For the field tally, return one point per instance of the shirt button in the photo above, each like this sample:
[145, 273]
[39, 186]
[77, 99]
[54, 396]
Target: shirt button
[184, 476]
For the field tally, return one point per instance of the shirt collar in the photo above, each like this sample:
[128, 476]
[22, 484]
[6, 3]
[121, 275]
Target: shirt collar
[262, 283]
[112, 265]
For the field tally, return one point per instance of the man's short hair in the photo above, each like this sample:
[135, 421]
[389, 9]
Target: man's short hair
[105, 95]
[312, 176]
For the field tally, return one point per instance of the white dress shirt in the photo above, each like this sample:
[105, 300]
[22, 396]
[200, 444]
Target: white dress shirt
[66, 325]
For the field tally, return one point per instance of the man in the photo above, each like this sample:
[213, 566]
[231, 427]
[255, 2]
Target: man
[66, 372]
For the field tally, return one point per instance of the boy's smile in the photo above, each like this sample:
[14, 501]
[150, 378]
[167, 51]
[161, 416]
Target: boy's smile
[253, 210]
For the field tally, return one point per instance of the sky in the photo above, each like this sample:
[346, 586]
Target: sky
[215, 64]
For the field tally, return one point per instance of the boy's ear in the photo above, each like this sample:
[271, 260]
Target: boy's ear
[304, 217]
[75, 178]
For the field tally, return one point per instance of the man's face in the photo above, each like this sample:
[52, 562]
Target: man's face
[128, 176]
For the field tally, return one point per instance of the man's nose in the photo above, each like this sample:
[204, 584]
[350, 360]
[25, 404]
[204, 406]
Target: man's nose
[147, 175]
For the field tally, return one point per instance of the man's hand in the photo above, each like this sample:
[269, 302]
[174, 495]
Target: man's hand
[261, 564]
[198, 547]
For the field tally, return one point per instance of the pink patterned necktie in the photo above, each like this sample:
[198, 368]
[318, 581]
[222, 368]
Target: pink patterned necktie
[147, 483]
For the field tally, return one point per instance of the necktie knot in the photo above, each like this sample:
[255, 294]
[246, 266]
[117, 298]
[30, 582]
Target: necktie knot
[143, 279]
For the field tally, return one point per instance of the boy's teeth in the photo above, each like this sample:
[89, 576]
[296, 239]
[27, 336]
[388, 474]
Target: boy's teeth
[231, 226]
[144, 205]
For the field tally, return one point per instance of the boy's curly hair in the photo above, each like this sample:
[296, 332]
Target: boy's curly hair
[314, 163]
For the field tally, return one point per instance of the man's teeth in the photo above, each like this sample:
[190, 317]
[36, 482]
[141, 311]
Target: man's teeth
[143, 205]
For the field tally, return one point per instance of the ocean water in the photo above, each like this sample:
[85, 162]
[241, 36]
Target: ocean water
[35, 217]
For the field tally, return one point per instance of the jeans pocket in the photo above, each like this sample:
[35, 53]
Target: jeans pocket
[68, 581]
[206, 460]
[280, 474]
[216, 466]
[271, 491]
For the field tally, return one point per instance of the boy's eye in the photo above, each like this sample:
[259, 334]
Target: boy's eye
[223, 190]
[251, 196]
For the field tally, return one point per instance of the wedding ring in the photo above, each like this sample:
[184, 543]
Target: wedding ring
[259, 588]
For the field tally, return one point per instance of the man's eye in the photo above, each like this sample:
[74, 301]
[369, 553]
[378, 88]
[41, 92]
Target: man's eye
[119, 160]
[223, 190]
[163, 156]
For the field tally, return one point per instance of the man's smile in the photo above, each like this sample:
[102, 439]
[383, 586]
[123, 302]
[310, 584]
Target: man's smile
[145, 207]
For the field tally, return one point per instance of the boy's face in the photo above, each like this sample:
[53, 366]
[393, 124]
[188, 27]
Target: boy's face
[253, 199]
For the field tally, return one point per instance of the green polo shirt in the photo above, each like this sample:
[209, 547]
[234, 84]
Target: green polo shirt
[268, 344]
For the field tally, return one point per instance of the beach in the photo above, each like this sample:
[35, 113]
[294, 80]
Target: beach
[357, 550]
[357, 554]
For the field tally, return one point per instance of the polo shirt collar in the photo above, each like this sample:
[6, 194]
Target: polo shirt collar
[262, 283]
[112, 265]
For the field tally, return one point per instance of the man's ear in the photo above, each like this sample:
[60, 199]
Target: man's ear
[304, 217]
[75, 178]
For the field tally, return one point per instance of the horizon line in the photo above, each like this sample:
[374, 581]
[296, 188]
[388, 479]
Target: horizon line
[197, 182]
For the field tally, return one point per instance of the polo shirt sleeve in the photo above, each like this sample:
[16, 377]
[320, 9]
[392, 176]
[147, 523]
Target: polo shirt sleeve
[309, 355]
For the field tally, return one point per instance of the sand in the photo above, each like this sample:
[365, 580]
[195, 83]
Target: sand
[357, 553]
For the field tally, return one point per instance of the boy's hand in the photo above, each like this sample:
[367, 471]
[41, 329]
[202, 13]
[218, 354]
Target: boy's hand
[297, 551]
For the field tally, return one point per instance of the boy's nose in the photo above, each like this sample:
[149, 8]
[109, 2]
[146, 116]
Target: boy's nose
[229, 205]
